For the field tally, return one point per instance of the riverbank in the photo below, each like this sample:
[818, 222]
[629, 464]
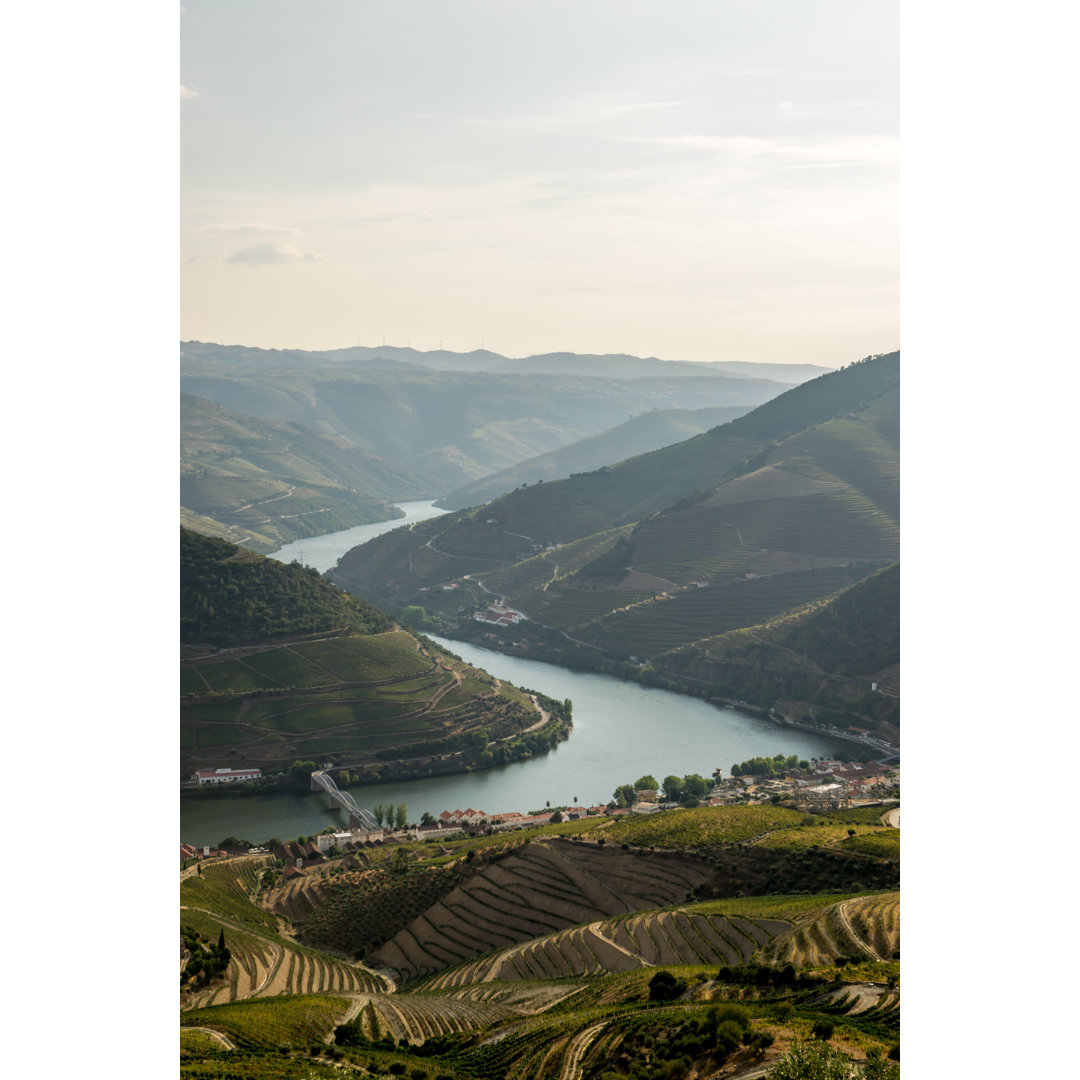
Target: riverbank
[553, 727]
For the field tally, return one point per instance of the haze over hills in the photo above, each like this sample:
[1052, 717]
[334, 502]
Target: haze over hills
[267, 482]
[787, 505]
[450, 427]
[650, 431]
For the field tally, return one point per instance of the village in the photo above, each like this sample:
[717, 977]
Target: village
[826, 785]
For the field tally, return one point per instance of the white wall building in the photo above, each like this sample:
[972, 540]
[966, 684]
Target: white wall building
[225, 776]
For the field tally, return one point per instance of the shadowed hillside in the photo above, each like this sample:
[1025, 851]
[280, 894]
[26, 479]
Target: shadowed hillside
[619, 569]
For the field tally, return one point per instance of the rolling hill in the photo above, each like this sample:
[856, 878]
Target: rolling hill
[650, 431]
[451, 427]
[544, 955]
[267, 482]
[278, 665]
[622, 566]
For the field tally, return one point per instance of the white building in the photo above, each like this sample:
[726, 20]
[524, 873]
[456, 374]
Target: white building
[225, 776]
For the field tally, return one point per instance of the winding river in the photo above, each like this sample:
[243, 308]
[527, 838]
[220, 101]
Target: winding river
[621, 731]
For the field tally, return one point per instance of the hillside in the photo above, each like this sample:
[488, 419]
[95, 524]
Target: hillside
[655, 429]
[230, 596]
[817, 665]
[267, 482]
[620, 567]
[709, 987]
[450, 427]
[278, 665]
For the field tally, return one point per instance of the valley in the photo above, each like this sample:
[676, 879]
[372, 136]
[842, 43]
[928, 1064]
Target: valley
[690, 609]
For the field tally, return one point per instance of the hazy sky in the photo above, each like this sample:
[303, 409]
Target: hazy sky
[691, 179]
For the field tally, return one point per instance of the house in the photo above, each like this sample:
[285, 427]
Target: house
[463, 817]
[225, 776]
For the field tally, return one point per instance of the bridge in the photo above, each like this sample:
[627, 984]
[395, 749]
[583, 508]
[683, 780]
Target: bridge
[320, 781]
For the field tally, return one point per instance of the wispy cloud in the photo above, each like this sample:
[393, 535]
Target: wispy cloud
[257, 228]
[186, 93]
[270, 254]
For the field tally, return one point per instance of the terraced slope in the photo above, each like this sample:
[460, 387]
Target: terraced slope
[865, 927]
[622, 944]
[536, 890]
[279, 665]
[263, 962]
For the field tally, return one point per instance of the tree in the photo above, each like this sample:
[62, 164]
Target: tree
[343, 778]
[379, 813]
[672, 788]
[663, 986]
[695, 784]
[427, 819]
[556, 817]
[823, 1030]
[402, 816]
[646, 783]
[759, 1042]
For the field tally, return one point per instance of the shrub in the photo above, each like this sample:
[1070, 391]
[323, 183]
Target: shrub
[663, 986]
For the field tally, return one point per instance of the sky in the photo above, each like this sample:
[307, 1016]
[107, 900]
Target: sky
[91, 319]
[695, 180]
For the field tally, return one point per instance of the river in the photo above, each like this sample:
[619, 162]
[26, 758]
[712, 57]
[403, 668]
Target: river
[323, 552]
[621, 731]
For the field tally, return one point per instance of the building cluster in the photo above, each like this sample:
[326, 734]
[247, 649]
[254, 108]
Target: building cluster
[499, 615]
[831, 785]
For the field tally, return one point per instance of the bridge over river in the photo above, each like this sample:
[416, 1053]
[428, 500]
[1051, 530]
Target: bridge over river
[320, 781]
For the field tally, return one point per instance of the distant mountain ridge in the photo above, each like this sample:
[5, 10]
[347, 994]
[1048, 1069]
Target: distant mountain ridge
[449, 427]
[607, 365]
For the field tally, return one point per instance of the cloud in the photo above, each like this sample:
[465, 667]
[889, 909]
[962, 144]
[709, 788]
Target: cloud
[257, 228]
[786, 111]
[186, 93]
[643, 106]
[268, 254]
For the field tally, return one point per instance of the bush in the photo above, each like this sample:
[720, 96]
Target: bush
[663, 986]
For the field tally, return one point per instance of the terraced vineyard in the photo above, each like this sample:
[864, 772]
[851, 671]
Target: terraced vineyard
[580, 933]
[625, 944]
[267, 1024]
[357, 694]
[867, 927]
[537, 889]
[263, 962]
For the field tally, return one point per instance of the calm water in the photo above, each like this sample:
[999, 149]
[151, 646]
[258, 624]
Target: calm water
[621, 731]
[323, 552]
